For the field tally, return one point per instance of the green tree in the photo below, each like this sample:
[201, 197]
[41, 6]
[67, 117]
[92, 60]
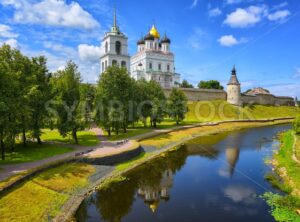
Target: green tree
[296, 125]
[158, 100]
[177, 105]
[186, 84]
[211, 84]
[16, 79]
[8, 95]
[151, 102]
[143, 100]
[113, 96]
[38, 95]
[87, 102]
[22, 67]
[67, 89]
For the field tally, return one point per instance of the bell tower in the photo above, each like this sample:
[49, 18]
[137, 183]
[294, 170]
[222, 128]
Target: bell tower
[114, 48]
[234, 89]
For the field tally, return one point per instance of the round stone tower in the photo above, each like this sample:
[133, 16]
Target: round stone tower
[234, 90]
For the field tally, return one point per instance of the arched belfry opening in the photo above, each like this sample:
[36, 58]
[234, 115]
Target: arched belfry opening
[118, 48]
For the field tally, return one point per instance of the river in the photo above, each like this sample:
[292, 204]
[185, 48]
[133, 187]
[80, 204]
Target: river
[210, 179]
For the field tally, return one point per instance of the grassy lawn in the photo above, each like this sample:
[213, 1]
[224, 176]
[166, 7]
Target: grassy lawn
[85, 138]
[12, 179]
[140, 129]
[33, 152]
[297, 148]
[284, 158]
[217, 110]
[41, 198]
[284, 206]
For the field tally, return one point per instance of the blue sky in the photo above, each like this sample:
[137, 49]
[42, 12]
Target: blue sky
[208, 37]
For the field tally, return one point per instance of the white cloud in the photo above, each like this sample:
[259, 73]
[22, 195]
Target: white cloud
[62, 49]
[230, 40]
[6, 32]
[233, 1]
[240, 194]
[11, 42]
[89, 53]
[194, 4]
[199, 39]
[279, 15]
[297, 73]
[281, 5]
[15, 3]
[214, 12]
[242, 18]
[53, 13]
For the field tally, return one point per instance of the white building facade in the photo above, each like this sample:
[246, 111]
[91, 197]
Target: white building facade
[153, 60]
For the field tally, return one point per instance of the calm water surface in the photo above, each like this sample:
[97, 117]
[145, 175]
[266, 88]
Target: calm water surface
[210, 179]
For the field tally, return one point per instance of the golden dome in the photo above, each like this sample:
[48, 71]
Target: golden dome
[154, 32]
[154, 206]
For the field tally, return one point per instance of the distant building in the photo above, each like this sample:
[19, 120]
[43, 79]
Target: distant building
[258, 95]
[234, 89]
[153, 60]
[257, 91]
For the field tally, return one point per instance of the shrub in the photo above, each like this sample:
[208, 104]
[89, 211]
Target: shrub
[296, 125]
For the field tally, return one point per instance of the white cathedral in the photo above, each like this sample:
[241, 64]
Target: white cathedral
[153, 60]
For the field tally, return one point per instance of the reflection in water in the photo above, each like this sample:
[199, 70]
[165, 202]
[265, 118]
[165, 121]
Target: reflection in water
[198, 181]
[232, 156]
[153, 195]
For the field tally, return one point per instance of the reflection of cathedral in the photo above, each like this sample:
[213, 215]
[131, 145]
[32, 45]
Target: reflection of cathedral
[153, 195]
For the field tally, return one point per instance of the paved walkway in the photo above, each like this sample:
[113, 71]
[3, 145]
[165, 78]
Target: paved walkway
[104, 148]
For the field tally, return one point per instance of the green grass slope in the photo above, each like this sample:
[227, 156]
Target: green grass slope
[33, 152]
[209, 111]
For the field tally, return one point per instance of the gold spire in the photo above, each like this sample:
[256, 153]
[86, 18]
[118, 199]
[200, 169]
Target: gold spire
[154, 32]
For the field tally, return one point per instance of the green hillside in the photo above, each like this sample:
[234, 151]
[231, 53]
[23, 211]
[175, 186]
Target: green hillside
[208, 111]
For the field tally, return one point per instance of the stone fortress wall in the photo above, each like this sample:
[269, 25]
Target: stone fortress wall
[234, 96]
[200, 94]
[268, 99]
[213, 94]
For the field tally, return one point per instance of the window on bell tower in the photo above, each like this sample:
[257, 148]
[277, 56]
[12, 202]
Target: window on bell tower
[118, 47]
[106, 47]
[114, 63]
